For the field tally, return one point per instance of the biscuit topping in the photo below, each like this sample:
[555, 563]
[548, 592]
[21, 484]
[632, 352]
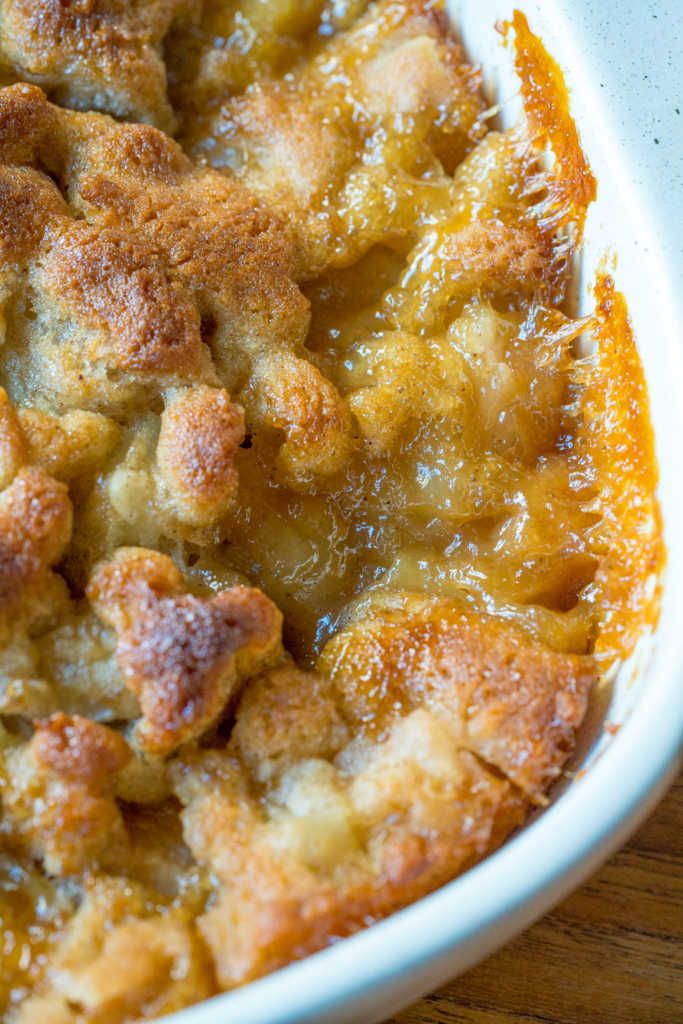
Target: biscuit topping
[180, 655]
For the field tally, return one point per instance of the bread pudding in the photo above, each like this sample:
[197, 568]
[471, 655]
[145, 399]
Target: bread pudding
[323, 514]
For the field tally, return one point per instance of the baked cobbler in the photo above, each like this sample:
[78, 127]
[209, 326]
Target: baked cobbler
[322, 515]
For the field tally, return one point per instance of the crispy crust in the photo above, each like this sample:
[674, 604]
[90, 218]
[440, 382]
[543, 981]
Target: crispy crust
[67, 446]
[28, 202]
[200, 433]
[12, 447]
[275, 913]
[212, 231]
[418, 715]
[124, 174]
[546, 109]
[517, 705]
[616, 454]
[181, 656]
[105, 279]
[287, 710]
[78, 749]
[94, 54]
[295, 398]
[145, 255]
[35, 526]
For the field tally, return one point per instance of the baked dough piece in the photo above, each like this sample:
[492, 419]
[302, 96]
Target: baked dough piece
[180, 655]
[121, 56]
[345, 795]
[35, 519]
[58, 794]
[142, 277]
[95, 54]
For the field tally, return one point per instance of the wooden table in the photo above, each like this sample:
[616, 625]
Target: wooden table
[610, 954]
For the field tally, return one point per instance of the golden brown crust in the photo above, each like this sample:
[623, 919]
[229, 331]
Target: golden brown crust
[35, 526]
[26, 125]
[616, 452]
[216, 234]
[315, 825]
[180, 655]
[94, 54]
[28, 203]
[67, 446]
[107, 279]
[212, 230]
[12, 447]
[78, 749]
[294, 397]
[118, 586]
[288, 710]
[276, 912]
[57, 794]
[344, 795]
[518, 705]
[148, 259]
[200, 433]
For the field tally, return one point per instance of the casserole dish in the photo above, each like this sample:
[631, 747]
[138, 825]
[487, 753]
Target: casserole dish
[414, 441]
[629, 130]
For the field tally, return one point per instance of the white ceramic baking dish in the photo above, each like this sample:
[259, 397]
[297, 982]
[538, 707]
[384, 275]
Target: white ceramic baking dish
[621, 61]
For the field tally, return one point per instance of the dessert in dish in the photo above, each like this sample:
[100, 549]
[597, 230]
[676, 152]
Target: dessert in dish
[322, 515]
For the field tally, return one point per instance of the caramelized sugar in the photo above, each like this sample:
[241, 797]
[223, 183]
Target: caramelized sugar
[443, 327]
[463, 477]
[32, 909]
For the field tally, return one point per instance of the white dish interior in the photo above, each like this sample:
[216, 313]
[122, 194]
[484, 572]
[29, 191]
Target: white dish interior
[606, 61]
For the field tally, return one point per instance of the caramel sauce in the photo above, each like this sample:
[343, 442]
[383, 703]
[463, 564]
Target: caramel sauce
[31, 912]
[473, 475]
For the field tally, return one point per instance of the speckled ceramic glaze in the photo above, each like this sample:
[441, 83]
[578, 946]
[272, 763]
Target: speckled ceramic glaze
[622, 62]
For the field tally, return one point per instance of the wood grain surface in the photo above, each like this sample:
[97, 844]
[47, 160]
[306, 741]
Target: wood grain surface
[610, 954]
